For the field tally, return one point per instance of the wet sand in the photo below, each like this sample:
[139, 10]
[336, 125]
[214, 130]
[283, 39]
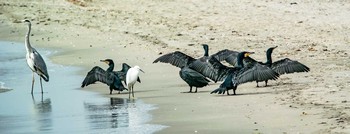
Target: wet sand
[315, 33]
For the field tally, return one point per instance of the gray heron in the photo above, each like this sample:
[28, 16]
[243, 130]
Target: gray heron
[34, 60]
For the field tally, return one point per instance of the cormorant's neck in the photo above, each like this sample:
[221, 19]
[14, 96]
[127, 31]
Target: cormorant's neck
[206, 51]
[268, 57]
[240, 58]
[26, 42]
[111, 67]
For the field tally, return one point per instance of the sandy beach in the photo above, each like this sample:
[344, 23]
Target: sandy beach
[136, 32]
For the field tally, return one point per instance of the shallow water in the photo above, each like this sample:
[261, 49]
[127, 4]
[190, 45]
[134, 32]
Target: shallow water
[64, 106]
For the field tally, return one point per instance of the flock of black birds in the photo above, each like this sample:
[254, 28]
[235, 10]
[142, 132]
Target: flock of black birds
[200, 72]
[244, 68]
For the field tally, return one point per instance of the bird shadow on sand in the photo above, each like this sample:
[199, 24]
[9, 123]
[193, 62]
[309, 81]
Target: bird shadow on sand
[274, 90]
[198, 92]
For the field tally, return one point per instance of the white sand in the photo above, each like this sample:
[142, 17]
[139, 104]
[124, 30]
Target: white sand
[315, 33]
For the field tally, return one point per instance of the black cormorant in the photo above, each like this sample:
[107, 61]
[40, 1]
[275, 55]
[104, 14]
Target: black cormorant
[201, 65]
[241, 74]
[193, 78]
[283, 66]
[108, 77]
[193, 71]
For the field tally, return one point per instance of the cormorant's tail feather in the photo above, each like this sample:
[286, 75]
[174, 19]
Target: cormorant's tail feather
[219, 90]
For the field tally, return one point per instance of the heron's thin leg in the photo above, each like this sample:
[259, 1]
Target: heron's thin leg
[41, 84]
[133, 91]
[129, 91]
[32, 83]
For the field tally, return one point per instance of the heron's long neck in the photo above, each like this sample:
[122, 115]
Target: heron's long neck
[26, 43]
[110, 68]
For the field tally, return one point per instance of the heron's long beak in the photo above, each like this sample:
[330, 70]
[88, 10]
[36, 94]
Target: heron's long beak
[142, 71]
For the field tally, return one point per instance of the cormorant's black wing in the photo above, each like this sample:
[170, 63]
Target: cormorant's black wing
[176, 58]
[193, 75]
[98, 74]
[125, 68]
[231, 57]
[122, 73]
[254, 72]
[226, 55]
[211, 68]
[286, 66]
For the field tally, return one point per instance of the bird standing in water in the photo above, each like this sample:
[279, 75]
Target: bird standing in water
[108, 77]
[131, 78]
[34, 60]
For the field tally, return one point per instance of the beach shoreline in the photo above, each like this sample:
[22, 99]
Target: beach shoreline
[137, 32]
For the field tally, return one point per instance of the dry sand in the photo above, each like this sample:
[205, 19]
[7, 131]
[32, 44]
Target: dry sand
[315, 33]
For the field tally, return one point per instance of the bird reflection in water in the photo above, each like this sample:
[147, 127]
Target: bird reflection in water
[114, 114]
[42, 113]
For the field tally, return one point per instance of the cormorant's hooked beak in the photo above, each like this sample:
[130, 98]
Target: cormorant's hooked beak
[104, 61]
[248, 53]
[25, 20]
[274, 47]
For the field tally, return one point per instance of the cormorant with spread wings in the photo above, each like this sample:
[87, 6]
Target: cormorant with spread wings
[283, 66]
[112, 78]
[241, 74]
[191, 71]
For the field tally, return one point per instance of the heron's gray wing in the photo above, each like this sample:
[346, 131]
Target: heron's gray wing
[256, 72]
[226, 55]
[176, 58]
[98, 74]
[286, 66]
[210, 67]
[39, 65]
